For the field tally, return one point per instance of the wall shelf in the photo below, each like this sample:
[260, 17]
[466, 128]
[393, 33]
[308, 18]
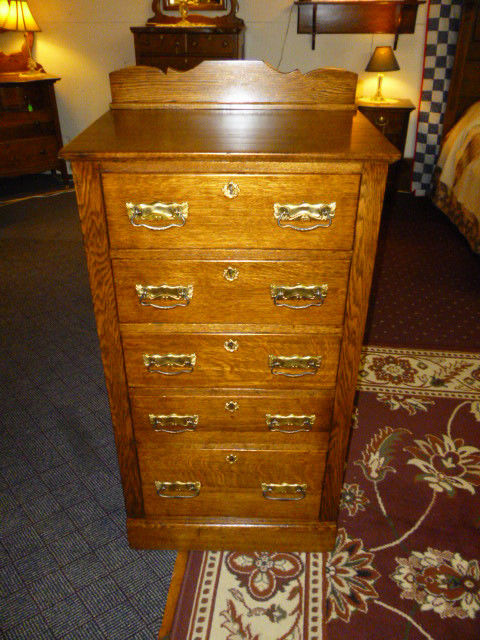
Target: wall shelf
[356, 16]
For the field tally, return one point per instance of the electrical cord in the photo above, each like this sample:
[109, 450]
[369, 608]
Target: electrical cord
[285, 36]
[36, 195]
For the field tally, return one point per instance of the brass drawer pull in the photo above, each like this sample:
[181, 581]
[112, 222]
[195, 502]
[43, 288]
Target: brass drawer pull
[290, 424]
[155, 363]
[231, 345]
[309, 364]
[315, 292]
[231, 190]
[177, 489]
[173, 423]
[231, 274]
[321, 214]
[181, 296]
[232, 406]
[284, 491]
[158, 216]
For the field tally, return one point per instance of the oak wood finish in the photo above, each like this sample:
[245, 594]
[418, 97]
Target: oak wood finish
[252, 208]
[216, 300]
[190, 153]
[216, 367]
[196, 533]
[92, 217]
[173, 594]
[225, 82]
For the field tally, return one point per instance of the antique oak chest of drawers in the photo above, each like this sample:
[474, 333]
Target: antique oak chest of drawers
[230, 216]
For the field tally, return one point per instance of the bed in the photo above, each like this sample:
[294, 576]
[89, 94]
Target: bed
[457, 177]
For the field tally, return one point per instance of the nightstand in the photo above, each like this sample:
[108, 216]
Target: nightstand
[392, 121]
[30, 136]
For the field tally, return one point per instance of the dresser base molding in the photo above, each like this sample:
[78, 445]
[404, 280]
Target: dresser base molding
[189, 533]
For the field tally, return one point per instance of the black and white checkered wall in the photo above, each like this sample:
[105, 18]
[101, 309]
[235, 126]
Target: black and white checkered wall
[441, 38]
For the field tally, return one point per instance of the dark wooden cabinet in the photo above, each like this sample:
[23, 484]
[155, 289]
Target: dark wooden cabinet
[183, 48]
[30, 136]
[392, 120]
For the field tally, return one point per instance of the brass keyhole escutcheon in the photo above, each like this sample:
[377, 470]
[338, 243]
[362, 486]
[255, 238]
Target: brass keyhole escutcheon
[231, 458]
[231, 190]
[231, 345]
[232, 406]
[231, 274]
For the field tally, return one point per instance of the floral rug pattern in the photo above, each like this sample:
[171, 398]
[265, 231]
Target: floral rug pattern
[406, 563]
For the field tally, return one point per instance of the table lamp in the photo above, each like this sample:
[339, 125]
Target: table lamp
[19, 18]
[4, 7]
[383, 59]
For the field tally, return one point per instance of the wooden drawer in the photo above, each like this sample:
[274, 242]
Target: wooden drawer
[211, 45]
[232, 488]
[215, 366]
[231, 292]
[244, 221]
[160, 43]
[32, 154]
[230, 413]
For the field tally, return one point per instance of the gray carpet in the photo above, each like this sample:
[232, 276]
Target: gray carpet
[66, 570]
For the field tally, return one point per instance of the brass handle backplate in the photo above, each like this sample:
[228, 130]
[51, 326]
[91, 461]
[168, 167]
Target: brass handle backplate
[164, 364]
[177, 489]
[284, 491]
[148, 294]
[173, 423]
[314, 293]
[158, 216]
[308, 364]
[231, 345]
[231, 190]
[290, 423]
[320, 214]
[231, 274]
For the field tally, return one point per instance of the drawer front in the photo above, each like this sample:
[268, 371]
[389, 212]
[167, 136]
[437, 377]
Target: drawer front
[160, 43]
[244, 218]
[267, 292]
[181, 417]
[30, 154]
[229, 360]
[180, 63]
[211, 45]
[231, 482]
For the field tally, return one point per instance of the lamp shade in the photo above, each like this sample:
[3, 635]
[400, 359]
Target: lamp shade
[20, 17]
[3, 11]
[383, 59]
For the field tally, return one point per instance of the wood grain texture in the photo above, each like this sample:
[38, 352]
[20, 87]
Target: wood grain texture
[245, 221]
[214, 416]
[217, 368]
[92, 218]
[247, 299]
[225, 136]
[368, 222]
[173, 594]
[232, 82]
[195, 533]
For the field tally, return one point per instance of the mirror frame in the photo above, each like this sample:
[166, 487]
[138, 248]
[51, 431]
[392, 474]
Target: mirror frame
[196, 5]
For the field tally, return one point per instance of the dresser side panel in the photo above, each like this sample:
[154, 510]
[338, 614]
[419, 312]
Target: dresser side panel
[92, 217]
[372, 188]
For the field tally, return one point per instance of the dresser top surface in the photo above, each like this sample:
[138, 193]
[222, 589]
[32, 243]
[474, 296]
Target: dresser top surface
[275, 134]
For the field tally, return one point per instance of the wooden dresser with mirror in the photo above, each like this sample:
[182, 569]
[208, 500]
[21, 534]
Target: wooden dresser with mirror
[185, 36]
[230, 216]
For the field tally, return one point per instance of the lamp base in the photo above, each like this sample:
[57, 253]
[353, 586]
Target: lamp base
[379, 101]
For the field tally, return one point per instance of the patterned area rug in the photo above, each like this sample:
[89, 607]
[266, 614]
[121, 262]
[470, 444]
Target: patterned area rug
[406, 561]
